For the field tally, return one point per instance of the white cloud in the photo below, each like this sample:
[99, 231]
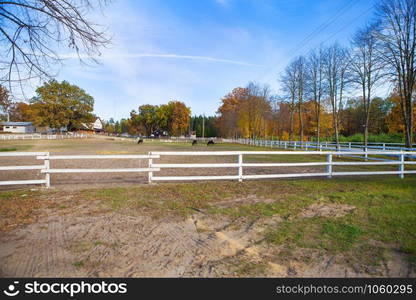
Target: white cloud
[155, 55]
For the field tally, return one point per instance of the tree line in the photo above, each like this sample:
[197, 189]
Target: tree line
[166, 119]
[317, 87]
[198, 125]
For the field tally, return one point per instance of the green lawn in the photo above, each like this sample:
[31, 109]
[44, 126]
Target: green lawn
[15, 147]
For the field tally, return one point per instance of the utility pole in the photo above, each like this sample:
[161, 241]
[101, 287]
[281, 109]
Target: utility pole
[203, 126]
[190, 123]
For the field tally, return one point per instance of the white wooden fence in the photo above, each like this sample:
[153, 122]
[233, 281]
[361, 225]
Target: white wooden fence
[240, 165]
[20, 168]
[46, 169]
[306, 145]
[38, 136]
[389, 148]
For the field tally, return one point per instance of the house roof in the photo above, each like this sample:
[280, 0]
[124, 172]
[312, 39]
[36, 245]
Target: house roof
[90, 126]
[16, 123]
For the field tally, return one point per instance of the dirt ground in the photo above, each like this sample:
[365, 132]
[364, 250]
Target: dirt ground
[83, 239]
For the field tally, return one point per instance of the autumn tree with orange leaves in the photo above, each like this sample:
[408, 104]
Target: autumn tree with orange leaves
[227, 121]
[252, 112]
[246, 112]
[173, 118]
[178, 118]
[394, 119]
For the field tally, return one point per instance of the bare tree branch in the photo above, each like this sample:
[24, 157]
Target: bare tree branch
[32, 31]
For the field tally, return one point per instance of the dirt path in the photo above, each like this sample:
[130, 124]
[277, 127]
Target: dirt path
[85, 240]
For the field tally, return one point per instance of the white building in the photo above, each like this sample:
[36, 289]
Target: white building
[17, 127]
[96, 127]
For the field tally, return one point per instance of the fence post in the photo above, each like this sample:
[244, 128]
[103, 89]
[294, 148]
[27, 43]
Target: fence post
[384, 146]
[366, 155]
[240, 167]
[47, 174]
[149, 166]
[401, 166]
[285, 145]
[349, 145]
[329, 166]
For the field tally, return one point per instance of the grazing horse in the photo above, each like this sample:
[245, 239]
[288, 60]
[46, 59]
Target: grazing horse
[194, 142]
[140, 141]
[210, 142]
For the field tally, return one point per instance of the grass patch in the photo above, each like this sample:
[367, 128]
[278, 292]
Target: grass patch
[15, 147]
[184, 199]
[7, 149]
[19, 207]
[78, 264]
[384, 214]
[341, 235]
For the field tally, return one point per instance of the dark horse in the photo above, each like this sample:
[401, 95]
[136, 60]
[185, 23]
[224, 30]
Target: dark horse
[140, 141]
[194, 142]
[210, 142]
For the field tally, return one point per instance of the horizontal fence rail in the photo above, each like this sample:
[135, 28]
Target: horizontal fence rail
[20, 168]
[328, 146]
[49, 171]
[46, 169]
[240, 165]
[103, 156]
[306, 145]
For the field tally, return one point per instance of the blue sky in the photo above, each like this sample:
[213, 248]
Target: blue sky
[198, 51]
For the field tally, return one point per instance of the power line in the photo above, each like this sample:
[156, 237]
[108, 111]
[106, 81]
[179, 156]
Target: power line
[313, 34]
[322, 27]
[349, 23]
[344, 27]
